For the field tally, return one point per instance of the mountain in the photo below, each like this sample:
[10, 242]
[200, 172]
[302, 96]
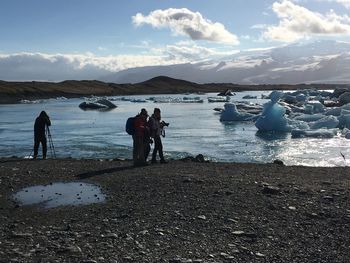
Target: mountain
[317, 62]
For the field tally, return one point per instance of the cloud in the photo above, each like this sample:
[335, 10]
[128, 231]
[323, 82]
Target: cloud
[185, 22]
[195, 53]
[58, 67]
[345, 3]
[298, 22]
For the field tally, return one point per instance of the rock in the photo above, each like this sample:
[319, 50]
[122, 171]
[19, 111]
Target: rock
[180, 260]
[203, 217]
[112, 235]
[199, 158]
[88, 261]
[226, 256]
[279, 162]
[260, 255]
[238, 233]
[293, 208]
[328, 198]
[271, 190]
[21, 235]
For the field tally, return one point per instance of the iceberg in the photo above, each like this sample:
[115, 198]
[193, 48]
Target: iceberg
[219, 99]
[346, 133]
[230, 113]
[320, 133]
[309, 117]
[273, 115]
[344, 120]
[314, 107]
[328, 122]
[99, 104]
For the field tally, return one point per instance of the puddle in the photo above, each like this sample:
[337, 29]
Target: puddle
[59, 194]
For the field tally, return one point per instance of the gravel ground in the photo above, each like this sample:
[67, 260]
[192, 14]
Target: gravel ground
[183, 211]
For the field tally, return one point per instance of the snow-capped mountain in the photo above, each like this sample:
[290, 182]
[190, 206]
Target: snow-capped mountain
[316, 62]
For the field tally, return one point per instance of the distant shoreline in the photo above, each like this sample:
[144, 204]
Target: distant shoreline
[14, 92]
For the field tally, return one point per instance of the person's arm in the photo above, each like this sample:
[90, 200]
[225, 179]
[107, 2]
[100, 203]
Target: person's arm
[48, 122]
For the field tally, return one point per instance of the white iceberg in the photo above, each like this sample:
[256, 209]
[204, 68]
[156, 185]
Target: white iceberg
[328, 122]
[320, 133]
[230, 113]
[309, 117]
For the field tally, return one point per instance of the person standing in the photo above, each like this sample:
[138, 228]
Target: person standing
[139, 138]
[40, 124]
[156, 127]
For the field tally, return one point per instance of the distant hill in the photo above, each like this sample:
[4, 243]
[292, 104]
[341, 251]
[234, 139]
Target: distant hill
[13, 92]
[316, 62]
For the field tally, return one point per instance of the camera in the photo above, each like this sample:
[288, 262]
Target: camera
[163, 123]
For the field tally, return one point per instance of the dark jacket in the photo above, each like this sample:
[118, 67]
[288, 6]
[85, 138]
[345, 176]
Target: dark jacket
[40, 123]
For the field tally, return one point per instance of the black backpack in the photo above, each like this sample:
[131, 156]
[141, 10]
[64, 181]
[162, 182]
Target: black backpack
[130, 125]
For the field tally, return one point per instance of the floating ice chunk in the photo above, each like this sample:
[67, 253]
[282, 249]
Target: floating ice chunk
[219, 99]
[309, 117]
[344, 98]
[295, 124]
[275, 96]
[272, 117]
[320, 133]
[301, 97]
[344, 120]
[346, 106]
[289, 98]
[314, 107]
[249, 97]
[335, 111]
[346, 133]
[230, 113]
[328, 122]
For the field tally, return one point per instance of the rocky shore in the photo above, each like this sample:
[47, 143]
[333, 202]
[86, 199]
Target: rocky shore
[183, 211]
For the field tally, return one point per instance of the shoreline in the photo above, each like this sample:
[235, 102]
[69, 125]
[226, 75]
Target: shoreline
[179, 212]
[14, 92]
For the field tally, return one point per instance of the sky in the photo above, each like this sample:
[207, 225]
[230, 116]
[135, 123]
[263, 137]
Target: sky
[62, 39]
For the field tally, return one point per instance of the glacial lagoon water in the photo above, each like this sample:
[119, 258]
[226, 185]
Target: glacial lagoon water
[194, 128]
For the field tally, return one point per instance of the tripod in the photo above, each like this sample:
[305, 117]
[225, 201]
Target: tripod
[52, 147]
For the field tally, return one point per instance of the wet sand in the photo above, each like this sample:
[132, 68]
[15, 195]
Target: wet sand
[179, 212]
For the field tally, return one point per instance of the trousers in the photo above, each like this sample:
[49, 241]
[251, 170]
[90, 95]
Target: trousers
[37, 142]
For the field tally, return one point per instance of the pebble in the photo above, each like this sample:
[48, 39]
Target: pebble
[238, 233]
[203, 217]
[328, 198]
[293, 208]
[271, 190]
[111, 235]
[260, 255]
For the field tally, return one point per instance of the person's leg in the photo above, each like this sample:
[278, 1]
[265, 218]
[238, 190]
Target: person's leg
[44, 145]
[147, 149]
[154, 154]
[36, 147]
[160, 150]
[134, 149]
[140, 157]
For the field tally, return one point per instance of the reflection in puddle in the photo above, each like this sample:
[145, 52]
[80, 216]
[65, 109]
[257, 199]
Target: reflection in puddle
[58, 194]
